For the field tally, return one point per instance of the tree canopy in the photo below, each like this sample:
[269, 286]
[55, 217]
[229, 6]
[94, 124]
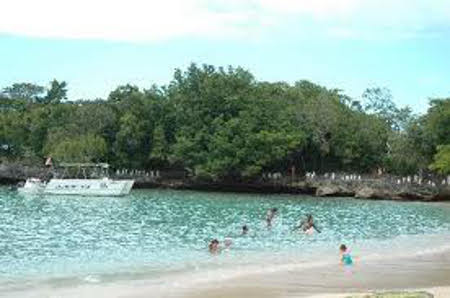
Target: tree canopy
[221, 123]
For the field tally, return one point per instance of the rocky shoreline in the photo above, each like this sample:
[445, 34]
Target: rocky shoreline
[361, 190]
[379, 188]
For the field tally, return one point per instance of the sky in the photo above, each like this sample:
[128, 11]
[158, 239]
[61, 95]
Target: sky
[97, 45]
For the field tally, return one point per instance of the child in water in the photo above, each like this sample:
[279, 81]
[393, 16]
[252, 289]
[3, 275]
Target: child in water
[346, 258]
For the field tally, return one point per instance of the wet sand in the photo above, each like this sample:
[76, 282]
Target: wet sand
[431, 272]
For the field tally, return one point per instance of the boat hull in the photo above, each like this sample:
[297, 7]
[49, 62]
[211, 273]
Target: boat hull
[82, 187]
[32, 187]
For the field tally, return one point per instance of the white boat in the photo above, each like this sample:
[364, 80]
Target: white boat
[80, 187]
[32, 186]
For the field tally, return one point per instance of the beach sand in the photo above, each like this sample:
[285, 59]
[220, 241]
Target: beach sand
[430, 273]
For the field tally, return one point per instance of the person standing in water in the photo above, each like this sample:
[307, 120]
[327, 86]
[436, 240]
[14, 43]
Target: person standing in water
[270, 216]
[244, 230]
[308, 225]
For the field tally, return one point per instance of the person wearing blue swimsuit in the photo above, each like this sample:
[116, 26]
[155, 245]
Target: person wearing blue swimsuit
[346, 258]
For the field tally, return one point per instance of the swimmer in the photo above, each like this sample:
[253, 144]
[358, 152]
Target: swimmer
[308, 225]
[346, 258]
[270, 216]
[214, 246]
[244, 230]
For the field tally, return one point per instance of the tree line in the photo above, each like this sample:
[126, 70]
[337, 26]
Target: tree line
[222, 123]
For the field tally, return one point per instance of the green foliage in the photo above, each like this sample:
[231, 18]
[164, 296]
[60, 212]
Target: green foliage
[379, 101]
[56, 93]
[84, 148]
[221, 123]
[159, 151]
[441, 162]
[360, 142]
[13, 134]
[402, 294]
[122, 93]
[132, 141]
[33, 93]
[402, 157]
[24, 91]
[437, 121]
[36, 124]
[227, 128]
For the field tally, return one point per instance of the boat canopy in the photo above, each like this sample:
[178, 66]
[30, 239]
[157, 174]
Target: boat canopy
[83, 165]
[80, 170]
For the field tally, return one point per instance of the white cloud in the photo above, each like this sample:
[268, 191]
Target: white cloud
[153, 20]
[318, 9]
[115, 20]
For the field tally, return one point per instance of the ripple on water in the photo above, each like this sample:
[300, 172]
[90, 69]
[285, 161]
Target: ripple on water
[154, 231]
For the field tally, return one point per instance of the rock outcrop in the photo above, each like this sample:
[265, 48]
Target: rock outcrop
[442, 195]
[333, 190]
[367, 192]
[11, 173]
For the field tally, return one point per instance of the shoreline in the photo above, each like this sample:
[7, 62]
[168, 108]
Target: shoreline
[430, 273]
[379, 187]
[323, 189]
[374, 189]
[427, 270]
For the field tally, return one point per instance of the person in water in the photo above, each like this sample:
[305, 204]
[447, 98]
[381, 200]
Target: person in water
[345, 257]
[214, 246]
[244, 230]
[308, 225]
[270, 216]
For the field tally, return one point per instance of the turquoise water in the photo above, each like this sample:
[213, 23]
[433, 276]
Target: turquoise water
[152, 232]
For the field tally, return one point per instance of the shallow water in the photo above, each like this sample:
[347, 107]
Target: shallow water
[156, 232]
